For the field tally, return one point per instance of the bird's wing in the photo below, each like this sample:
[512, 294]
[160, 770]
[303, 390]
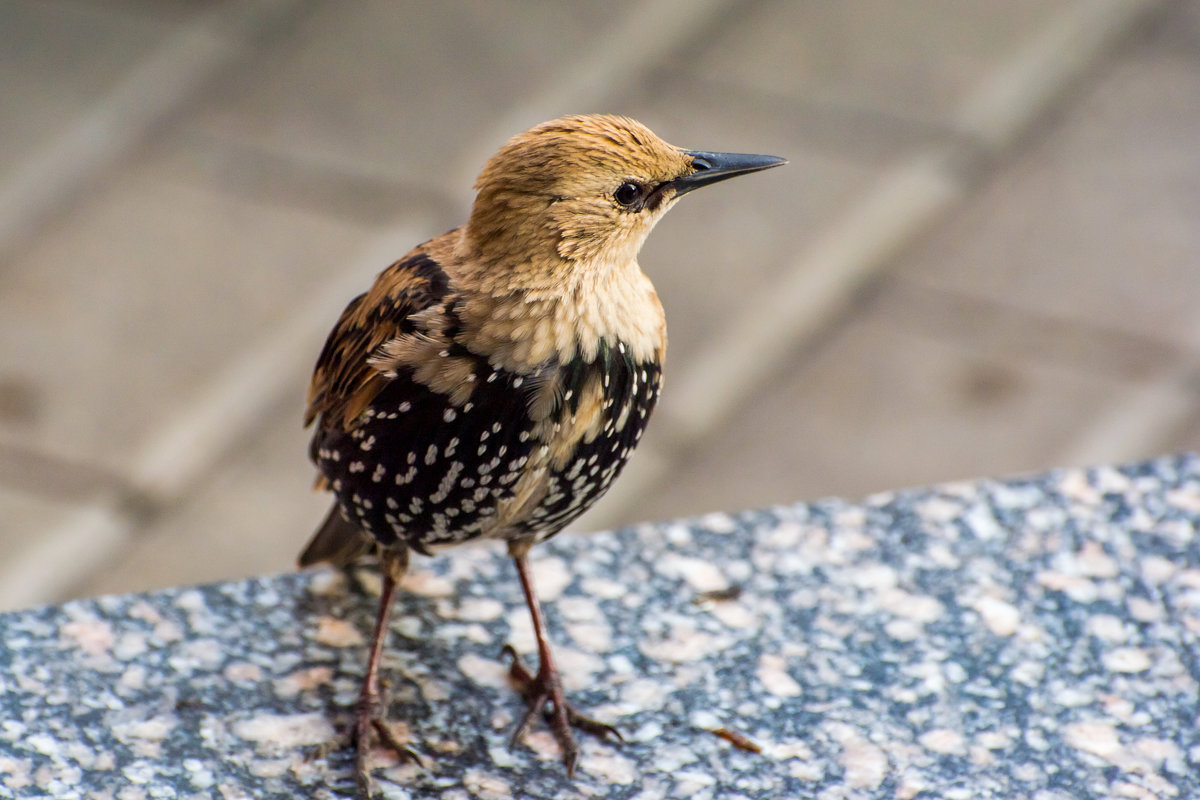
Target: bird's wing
[344, 381]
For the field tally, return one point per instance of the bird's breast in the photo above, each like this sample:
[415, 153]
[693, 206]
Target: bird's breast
[574, 315]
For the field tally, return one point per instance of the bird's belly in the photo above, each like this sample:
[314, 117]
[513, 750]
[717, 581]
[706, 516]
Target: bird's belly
[421, 470]
[630, 392]
[585, 477]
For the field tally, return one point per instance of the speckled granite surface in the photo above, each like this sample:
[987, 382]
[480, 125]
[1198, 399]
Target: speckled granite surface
[1031, 638]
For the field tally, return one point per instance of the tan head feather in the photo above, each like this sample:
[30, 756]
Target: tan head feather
[551, 193]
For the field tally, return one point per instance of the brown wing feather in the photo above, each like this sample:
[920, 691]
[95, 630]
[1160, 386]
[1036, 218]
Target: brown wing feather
[344, 382]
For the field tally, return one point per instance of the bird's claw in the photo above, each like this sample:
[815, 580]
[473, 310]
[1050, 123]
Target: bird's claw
[370, 728]
[542, 687]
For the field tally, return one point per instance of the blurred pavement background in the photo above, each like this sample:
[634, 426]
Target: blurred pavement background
[983, 259]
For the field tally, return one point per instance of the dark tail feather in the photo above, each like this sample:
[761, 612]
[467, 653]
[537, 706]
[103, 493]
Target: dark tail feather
[337, 541]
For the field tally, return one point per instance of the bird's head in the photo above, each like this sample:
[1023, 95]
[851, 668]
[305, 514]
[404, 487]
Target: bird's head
[587, 189]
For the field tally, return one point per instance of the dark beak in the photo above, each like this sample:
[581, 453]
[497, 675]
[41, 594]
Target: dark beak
[713, 167]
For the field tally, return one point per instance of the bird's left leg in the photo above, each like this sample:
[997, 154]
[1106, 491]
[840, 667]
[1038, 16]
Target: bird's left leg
[546, 685]
[369, 711]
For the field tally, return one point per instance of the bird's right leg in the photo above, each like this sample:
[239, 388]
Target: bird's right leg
[545, 686]
[369, 721]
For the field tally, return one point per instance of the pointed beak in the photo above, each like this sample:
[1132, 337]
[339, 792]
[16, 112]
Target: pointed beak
[713, 167]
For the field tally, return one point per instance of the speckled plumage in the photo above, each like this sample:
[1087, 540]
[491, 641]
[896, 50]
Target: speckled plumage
[450, 447]
[493, 382]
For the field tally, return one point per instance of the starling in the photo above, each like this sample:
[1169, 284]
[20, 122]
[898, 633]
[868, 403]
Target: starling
[493, 382]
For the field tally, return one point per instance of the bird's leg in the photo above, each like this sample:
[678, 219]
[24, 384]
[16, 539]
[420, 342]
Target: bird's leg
[369, 711]
[546, 685]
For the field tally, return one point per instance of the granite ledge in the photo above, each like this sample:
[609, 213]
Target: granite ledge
[1035, 637]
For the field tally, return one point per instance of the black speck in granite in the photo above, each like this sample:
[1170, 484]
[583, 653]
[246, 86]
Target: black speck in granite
[1037, 637]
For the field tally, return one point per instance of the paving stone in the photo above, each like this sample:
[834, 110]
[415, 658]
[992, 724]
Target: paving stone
[1185, 438]
[364, 86]
[883, 406]
[46, 541]
[55, 59]
[997, 329]
[29, 513]
[1096, 222]
[118, 318]
[251, 517]
[916, 59]
[167, 11]
[1178, 30]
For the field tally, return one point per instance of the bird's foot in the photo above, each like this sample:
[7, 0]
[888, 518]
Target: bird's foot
[370, 728]
[545, 686]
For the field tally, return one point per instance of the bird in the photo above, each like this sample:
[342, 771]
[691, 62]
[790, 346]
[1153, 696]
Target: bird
[493, 382]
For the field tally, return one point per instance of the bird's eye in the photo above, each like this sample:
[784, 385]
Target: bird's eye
[628, 193]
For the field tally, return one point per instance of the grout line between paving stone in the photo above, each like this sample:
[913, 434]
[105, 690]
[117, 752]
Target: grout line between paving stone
[903, 203]
[31, 471]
